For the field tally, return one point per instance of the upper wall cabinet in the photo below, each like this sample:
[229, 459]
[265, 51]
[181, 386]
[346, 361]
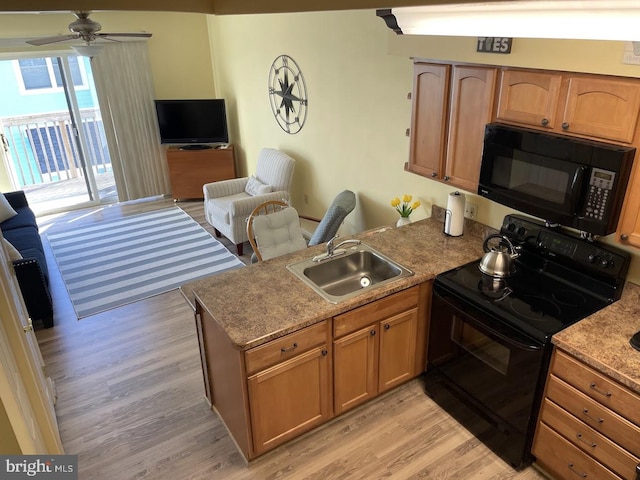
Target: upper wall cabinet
[451, 106]
[428, 123]
[597, 107]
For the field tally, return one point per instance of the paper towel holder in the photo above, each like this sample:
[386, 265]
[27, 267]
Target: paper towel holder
[448, 217]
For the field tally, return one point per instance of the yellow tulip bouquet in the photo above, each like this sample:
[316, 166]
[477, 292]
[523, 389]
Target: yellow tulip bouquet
[404, 207]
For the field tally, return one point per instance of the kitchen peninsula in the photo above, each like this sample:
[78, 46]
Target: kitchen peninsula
[255, 323]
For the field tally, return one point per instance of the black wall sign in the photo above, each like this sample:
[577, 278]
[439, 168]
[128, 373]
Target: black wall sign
[494, 44]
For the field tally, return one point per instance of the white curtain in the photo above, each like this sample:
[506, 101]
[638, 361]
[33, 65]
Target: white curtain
[125, 93]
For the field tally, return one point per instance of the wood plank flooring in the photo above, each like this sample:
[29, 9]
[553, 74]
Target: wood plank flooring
[131, 402]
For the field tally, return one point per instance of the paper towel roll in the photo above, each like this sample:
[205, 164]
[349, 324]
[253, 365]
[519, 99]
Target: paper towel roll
[454, 215]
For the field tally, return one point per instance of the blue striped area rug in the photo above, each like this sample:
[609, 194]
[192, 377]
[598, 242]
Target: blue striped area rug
[117, 262]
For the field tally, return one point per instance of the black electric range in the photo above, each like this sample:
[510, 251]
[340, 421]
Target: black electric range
[490, 339]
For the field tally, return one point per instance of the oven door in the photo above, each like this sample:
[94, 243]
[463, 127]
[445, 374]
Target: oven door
[489, 371]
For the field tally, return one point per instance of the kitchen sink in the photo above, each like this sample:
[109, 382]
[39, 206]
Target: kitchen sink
[348, 272]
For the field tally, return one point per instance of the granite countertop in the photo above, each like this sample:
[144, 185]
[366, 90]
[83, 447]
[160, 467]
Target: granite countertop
[602, 339]
[263, 301]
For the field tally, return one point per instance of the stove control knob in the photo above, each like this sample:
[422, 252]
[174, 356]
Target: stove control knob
[521, 231]
[511, 227]
[606, 263]
[593, 258]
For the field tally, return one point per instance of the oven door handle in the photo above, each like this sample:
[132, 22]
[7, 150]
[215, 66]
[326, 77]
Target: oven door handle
[484, 328]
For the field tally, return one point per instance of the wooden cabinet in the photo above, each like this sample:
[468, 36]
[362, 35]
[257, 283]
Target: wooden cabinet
[271, 393]
[290, 398]
[276, 391]
[451, 106]
[529, 98]
[189, 170]
[375, 348]
[583, 105]
[428, 123]
[589, 424]
[629, 224]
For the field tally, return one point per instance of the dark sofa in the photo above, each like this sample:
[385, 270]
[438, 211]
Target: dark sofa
[32, 272]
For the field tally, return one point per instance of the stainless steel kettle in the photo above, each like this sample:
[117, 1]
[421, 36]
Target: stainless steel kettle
[498, 261]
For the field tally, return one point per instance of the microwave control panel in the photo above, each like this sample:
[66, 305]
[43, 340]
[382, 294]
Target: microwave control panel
[600, 186]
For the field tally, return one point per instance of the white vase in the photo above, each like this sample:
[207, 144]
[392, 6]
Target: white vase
[403, 221]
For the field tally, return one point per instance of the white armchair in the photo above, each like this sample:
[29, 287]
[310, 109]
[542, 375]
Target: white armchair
[228, 203]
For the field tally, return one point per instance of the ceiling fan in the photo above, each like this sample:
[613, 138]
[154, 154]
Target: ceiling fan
[85, 29]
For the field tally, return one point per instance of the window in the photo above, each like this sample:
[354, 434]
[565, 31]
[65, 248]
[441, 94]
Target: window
[37, 75]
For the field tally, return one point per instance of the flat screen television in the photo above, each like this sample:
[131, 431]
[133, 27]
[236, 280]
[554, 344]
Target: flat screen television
[192, 122]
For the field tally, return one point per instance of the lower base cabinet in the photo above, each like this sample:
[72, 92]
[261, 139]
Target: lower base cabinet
[290, 398]
[589, 425]
[272, 393]
[379, 356]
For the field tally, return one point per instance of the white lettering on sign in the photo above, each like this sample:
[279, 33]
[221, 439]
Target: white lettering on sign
[494, 45]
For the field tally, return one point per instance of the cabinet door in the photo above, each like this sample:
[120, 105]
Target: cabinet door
[290, 398]
[471, 109]
[629, 227]
[355, 368]
[397, 349]
[428, 123]
[530, 98]
[602, 108]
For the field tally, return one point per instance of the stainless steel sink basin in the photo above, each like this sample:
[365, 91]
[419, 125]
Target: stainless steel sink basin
[348, 273]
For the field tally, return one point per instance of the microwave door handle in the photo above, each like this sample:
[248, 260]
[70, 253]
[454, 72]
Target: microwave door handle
[576, 186]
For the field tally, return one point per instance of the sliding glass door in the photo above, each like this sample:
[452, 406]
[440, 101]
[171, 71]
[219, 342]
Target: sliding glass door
[55, 148]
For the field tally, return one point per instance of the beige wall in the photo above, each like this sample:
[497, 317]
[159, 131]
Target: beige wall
[358, 74]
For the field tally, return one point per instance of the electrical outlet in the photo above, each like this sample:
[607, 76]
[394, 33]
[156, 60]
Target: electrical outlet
[470, 210]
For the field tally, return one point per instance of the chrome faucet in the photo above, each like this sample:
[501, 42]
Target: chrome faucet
[333, 250]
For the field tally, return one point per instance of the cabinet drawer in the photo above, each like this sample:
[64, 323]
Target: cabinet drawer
[375, 311]
[597, 386]
[565, 460]
[610, 424]
[588, 440]
[285, 347]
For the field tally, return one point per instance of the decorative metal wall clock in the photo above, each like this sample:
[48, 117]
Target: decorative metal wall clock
[287, 94]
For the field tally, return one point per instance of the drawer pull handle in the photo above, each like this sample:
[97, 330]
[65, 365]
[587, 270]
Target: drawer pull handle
[290, 349]
[601, 392]
[585, 441]
[581, 475]
[586, 413]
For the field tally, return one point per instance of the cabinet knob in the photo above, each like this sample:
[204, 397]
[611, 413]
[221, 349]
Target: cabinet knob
[446, 178]
[324, 353]
[372, 332]
[387, 326]
[545, 122]
[434, 174]
[624, 237]
[565, 126]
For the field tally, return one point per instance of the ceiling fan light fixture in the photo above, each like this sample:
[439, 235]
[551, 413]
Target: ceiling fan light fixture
[87, 50]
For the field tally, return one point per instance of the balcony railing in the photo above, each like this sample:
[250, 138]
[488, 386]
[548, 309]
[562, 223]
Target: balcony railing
[43, 149]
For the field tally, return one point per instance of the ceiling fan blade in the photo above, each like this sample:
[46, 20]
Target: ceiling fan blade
[139, 35]
[45, 41]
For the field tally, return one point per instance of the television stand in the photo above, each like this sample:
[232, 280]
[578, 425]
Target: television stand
[190, 169]
[195, 147]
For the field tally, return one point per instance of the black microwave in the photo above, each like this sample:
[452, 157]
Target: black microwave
[562, 180]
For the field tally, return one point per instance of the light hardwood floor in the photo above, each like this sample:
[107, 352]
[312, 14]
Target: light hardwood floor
[131, 402]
